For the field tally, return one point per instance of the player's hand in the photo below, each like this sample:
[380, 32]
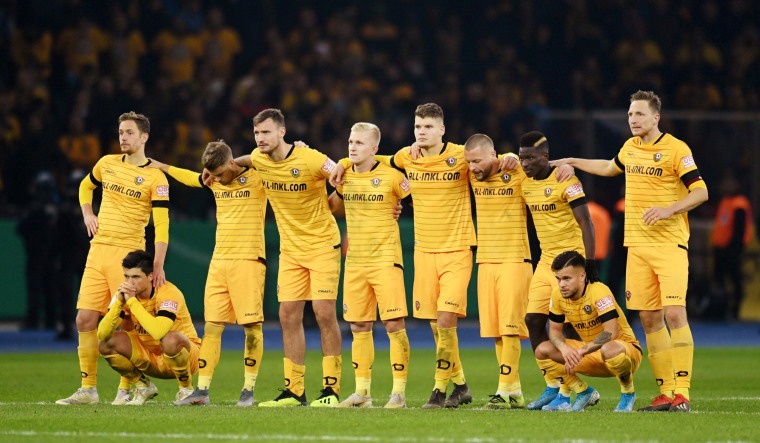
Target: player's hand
[572, 359]
[120, 296]
[155, 164]
[414, 151]
[207, 178]
[336, 175]
[559, 162]
[159, 277]
[397, 211]
[91, 222]
[300, 144]
[508, 163]
[654, 214]
[126, 291]
[592, 274]
[564, 172]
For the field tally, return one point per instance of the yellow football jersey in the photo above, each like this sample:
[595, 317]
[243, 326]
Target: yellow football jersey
[369, 199]
[297, 192]
[551, 204]
[441, 190]
[587, 314]
[657, 174]
[129, 194]
[501, 218]
[166, 301]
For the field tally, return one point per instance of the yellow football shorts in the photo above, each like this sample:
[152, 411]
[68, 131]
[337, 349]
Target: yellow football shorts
[153, 365]
[235, 291]
[503, 298]
[305, 278]
[541, 286]
[440, 283]
[367, 289]
[593, 364]
[102, 276]
[656, 277]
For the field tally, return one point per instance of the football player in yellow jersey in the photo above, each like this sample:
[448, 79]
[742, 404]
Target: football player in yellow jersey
[131, 192]
[662, 185]
[163, 343]
[374, 277]
[504, 263]
[444, 237]
[562, 221]
[608, 347]
[234, 290]
[294, 179]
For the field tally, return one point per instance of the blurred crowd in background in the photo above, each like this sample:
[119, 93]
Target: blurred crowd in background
[201, 69]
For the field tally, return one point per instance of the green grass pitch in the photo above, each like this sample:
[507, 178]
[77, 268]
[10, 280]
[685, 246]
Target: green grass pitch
[726, 405]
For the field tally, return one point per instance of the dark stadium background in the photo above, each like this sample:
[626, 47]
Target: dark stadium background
[68, 68]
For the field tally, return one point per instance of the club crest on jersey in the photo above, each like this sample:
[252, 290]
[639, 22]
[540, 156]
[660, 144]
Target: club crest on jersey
[658, 157]
[548, 192]
[451, 161]
[376, 182]
[587, 309]
[506, 178]
[295, 172]
[139, 180]
[241, 180]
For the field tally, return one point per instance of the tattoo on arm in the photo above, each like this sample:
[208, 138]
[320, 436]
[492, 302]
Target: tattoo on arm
[599, 341]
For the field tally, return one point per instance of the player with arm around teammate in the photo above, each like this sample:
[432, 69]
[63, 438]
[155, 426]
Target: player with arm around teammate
[608, 347]
[163, 344]
[234, 290]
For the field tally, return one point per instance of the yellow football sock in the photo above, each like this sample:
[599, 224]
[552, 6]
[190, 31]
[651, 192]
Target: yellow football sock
[434, 327]
[661, 359]
[294, 376]
[331, 370]
[121, 364]
[550, 380]
[208, 358]
[252, 354]
[178, 365]
[399, 350]
[683, 358]
[362, 356]
[621, 366]
[88, 358]
[445, 355]
[509, 364]
[556, 373]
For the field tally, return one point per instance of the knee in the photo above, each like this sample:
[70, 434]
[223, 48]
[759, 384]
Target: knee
[394, 325]
[290, 316]
[610, 350]
[675, 316]
[651, 321]
[544, 349]
[173, 343]
[87, 320]
[325, 313]
[104, 347]
[361, 326]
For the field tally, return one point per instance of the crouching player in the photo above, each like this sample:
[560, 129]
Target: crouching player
[163, 343]
[609, 348]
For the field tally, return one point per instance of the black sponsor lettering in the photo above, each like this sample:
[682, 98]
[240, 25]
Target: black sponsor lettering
[643, 170]
[492, 192]
[587, 324]
[543, 208]
[434, 176]
[232, 194]
[286, 187]
[129, 192]
[363, 197]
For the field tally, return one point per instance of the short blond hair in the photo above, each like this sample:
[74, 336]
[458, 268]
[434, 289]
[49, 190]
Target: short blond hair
[479, 141]
[216, 154]
[367, 127]
[650, 97]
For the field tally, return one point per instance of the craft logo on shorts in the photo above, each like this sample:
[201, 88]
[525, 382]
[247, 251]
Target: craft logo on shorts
[241, 180]
[658, 157]
[506, 178]
[417, 305]
[628, 295]
[295, 172]
[548, 192]
[162, 191]
[451, 161]
[587, 309]
[139, 180]
[345, 308]
[376, 182]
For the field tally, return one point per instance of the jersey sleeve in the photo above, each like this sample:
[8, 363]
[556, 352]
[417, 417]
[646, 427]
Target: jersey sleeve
[320, 164]
[401, 186]
[686, 168]
[555, 313]
[573, 192]
[400, 159]
[604, 302]
[160, 202]
[618, 160]
[186, 177]
[111, 321]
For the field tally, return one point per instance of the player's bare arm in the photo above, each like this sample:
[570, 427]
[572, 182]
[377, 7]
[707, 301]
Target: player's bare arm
[159, 277]
[336, 175]
[90, 219]
[583, 218]
[155, 164]
[571, 356]
[611, 331]
[604, 168]
[336, 204]
[692, 200]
